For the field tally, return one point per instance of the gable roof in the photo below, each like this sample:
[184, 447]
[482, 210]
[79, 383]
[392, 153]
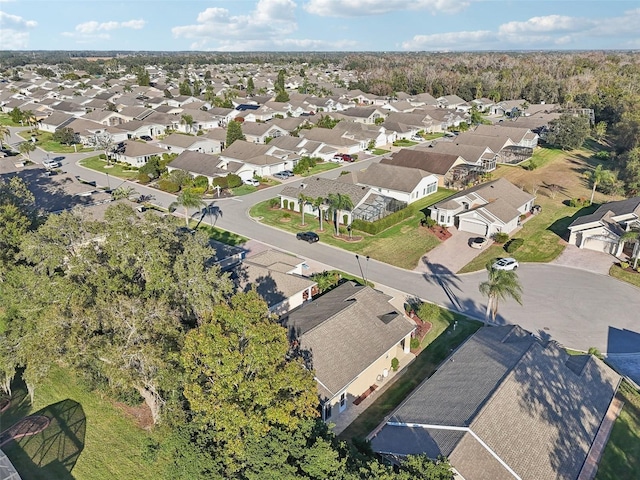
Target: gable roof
[345, 331]
[438, 163]
[499, 384]
[316, 187]
[392, 177]
[620, 207]
[500, 189]
[198, 163]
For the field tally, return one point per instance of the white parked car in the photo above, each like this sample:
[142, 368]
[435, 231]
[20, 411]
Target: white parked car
[253, 182]
[53, 163]
[505, 264]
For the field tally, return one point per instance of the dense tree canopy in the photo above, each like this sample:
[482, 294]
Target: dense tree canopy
[568, 131]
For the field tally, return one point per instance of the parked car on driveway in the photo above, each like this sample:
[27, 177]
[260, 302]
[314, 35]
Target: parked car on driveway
[288, 173]
[280, 175]
[478, 242]
[343, 157]
[505, 264]
[252, 181]
[146, 138]
[310, 237]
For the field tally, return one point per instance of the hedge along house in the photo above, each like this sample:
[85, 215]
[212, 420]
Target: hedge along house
[349, 337]
[484, 209]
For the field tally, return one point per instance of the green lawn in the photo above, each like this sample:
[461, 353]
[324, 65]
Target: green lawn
[404, 143]
[440, 341]
[379, 151]
[542, 236]
[543, 156]
[46, 142]
[116, 170]
[433, 136]
[632, 278]
[222, 235]
[87, 433]
[320, 168]
[6, 120]
[244, 190]
[401, 245]
[621, 458]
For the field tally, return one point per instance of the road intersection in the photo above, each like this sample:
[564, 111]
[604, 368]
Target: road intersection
[579, 309]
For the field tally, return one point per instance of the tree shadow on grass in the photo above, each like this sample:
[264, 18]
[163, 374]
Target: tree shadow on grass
[559, 227]
[52, 453]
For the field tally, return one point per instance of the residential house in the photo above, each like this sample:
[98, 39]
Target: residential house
[139, 128]
[367, 115]
[405, 184]
[332, 138]
[256, 159]
[348, 338]
[509, 108]
[485, 209]
[197, 163]
[481, 157]
[105, 117]
[453, 102]
[260, 132]
[365, 134]
[277, 277]
[362, 197]
[136, 153]
[601, 230]
[505, 406]
[55, 121]
[178, 143]
[483, 104]
[520, 137]
[447, 168]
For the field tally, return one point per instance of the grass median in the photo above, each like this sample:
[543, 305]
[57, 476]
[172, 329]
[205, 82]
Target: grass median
[115, 169]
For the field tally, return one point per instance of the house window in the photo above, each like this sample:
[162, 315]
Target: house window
[343, 401]
[327, 410]
[441, 218]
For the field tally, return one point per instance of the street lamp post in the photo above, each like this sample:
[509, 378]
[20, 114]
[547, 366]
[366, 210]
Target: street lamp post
[360, 266]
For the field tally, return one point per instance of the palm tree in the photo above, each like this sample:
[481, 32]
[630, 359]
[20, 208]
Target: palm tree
[123, 192]
[319, 203]
[30, 118]
[598, 176]
[4, 133]
[213, 211]
[500, 285]
[187, 199]
[26, 148]
[339, 202]
[303, 200]
[187, 120]
[633, 236]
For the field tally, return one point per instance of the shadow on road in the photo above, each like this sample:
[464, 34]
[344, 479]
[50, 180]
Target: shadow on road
[446, 279]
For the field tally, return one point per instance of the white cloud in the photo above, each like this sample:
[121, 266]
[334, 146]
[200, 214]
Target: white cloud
[539, 32]
[87, 32]
[362, 8]
[271, 20]
[15, 31]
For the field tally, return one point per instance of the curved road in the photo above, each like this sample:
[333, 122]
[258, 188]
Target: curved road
[577, 308]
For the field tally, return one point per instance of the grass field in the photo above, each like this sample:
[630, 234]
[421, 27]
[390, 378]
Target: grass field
[401, 245]
[439, 343]
[629, 277]
[320, 168]
[46, 142]
[116, 170]
[621, 458]
[89, 438]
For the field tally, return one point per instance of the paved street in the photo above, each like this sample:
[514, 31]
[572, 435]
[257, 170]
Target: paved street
[580, 309]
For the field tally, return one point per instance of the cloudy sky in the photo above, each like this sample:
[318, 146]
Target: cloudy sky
[319, 25]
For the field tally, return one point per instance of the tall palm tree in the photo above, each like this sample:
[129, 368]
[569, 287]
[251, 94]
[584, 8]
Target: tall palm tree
[596, 177]
[187, 120]
[187, 199]
[320, 204]
[501, 285]
[303, 200]
[339, 202]
[4, 134]
[26, 148]
[633, 236]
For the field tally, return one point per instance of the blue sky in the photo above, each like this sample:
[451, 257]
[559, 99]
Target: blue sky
[319, 25]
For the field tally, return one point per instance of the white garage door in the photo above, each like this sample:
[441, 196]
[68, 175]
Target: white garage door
[600, 245]
[472, 227]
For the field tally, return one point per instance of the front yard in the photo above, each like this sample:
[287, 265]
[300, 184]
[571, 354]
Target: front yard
[401, 245]
[45, 141]
[117, 170]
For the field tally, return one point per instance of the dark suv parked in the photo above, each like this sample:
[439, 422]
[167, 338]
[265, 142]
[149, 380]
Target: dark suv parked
[310, 237]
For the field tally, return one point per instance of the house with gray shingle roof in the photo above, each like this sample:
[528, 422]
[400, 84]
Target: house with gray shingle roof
[277, 277]
[257, 159]
[601, 230]
[137, 153]
[505, 405]
[442, 165]
[348, 337]
[197, 163]
[178, 143]
[485, 209]
[402, 183]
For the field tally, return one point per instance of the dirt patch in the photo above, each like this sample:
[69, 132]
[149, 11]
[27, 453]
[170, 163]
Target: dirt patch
[345, 238]
[440, 232]
[140, 414]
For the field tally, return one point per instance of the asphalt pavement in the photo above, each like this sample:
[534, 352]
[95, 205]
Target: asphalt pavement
[578, 308]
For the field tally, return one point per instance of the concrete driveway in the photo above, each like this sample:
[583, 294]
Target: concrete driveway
[589, 260]
[451, 255]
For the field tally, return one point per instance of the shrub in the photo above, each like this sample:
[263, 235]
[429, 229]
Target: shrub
[428, 312]
[378, 226]
[220, 182]
[395, 363]
[274, 202]
[345, 219]
[201, 182]
[578, 202]
[514, 244]
[430, 222]
[500, 237]
[286, 215]
[624, 265]
[533, 164]
[415, 343]
[168, 186]
[143, 178]
[102, 156]
[234, 180]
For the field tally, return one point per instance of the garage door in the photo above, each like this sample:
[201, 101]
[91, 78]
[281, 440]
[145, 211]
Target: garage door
[472, 227]
[600, 245]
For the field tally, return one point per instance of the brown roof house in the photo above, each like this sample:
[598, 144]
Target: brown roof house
[348, 337]
[446, 167]
[278, 278]
[601, 230]
[505, 406]
[136, 153]
[484, 209]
